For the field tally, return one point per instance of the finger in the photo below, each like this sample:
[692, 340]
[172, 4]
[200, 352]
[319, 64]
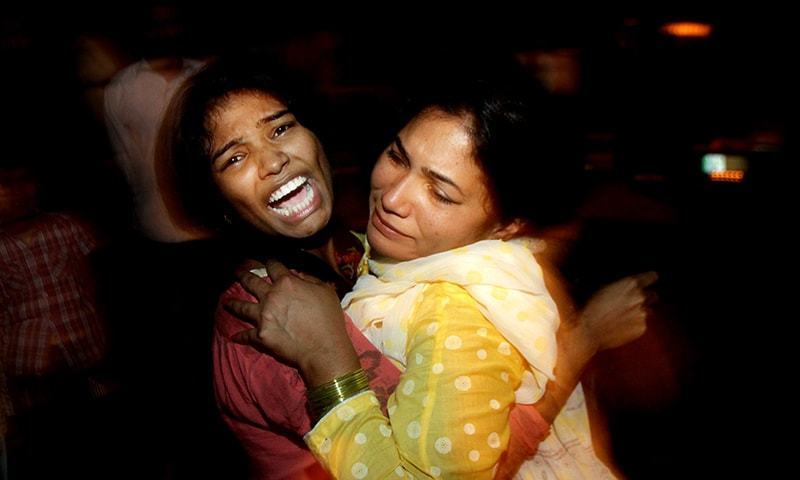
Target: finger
[276, 269]
[248, 266]
[307, 277]
[646, 279]
[246, 337]
[248, 311]
[254, 284]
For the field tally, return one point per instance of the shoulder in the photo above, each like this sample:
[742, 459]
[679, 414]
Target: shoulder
[444, 294]
[259, 368]
[227, 324]
[124, 76]
[449, 307]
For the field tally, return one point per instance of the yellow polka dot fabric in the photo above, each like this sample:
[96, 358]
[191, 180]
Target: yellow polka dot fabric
[449, 414]
[474, 331]
[504, 279]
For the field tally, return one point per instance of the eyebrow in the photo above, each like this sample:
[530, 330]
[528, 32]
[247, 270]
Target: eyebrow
[274, 116]
[240, 140]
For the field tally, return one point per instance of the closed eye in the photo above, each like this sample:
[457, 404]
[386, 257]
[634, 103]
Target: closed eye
[441, 198]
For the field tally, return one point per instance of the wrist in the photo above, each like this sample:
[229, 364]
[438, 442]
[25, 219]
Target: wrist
[580, 341]
[324, 365]
[324, 397]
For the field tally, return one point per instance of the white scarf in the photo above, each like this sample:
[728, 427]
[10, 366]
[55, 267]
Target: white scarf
[504, 279]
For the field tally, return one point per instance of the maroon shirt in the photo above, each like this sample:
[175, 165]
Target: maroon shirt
[263, 400]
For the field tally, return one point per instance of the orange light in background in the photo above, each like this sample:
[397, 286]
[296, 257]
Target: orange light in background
[687, 29]
[735, 176]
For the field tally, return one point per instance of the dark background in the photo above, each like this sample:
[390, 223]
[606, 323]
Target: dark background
[702, 394]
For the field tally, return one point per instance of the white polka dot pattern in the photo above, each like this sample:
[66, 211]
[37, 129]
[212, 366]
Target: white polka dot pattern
[439, 411]
[414, 430]
[408, 387]
[325, 446]
[453, 342]
[359, 470]
[463, 383]
[504, 348]
[443, 445]
[345, 413]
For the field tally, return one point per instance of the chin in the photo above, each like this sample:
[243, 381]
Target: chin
[385, 248]
[311, 225]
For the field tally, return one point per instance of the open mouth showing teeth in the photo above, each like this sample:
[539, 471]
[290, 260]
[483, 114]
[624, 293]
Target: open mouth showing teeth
[292, 198]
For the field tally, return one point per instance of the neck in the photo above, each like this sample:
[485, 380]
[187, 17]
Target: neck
[252, 242]
[320, 245]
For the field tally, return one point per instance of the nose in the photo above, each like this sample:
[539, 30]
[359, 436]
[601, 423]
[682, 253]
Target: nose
[396, 197]
[272, 162]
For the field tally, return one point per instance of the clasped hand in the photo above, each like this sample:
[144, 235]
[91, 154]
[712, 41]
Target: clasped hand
[297, 317]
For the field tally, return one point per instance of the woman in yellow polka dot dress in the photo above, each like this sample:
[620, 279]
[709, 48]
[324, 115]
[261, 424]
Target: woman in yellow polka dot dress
[452, 294]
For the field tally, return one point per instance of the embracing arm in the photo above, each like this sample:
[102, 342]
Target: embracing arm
[449, 414]
[613, 316]
[594, 330]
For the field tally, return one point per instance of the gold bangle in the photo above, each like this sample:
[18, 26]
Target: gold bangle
[322, 398]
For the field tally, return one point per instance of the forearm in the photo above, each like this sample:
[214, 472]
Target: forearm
[575, 350]
[529, 423]
[356, 440]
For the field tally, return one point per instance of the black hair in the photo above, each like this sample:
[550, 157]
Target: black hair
[519, 139]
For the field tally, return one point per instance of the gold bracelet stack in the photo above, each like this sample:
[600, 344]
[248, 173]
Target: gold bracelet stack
[322, 398]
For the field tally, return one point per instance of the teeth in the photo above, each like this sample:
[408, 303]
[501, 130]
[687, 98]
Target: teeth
[287, 187]
[300, 206]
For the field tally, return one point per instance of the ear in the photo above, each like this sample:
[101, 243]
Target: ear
[510, 230]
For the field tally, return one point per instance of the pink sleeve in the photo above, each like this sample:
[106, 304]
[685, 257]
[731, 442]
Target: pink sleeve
[528, 429]
[383, 374]
[249, 382]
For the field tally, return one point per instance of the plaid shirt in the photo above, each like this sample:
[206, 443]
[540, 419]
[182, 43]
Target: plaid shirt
[48, 314]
